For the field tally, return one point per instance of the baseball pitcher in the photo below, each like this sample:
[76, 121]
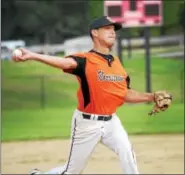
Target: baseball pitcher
[104, 85]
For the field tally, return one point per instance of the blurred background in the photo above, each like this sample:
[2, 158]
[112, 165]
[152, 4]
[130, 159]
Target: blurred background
[30, 89]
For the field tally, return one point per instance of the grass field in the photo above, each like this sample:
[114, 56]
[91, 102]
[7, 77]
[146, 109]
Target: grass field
[25, 91]
[55, 123]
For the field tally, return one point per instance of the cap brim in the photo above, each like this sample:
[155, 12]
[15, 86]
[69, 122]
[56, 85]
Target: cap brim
[117, 26]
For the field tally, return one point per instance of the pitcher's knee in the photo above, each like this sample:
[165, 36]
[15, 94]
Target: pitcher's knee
[124, 148]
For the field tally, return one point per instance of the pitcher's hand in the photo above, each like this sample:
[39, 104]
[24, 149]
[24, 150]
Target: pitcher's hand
[26, 55]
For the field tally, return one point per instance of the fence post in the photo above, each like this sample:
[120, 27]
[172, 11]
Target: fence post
[147, 59]
[42, 89]
[182, 86]
[129, 47]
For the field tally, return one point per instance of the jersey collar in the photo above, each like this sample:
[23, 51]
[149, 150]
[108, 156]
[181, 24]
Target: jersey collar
[107, 57]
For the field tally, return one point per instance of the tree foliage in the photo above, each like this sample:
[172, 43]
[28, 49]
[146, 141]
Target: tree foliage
[54, 21]
[43, 21]
[182, 17]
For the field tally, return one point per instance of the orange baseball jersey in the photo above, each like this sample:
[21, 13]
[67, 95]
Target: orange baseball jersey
[103, 82]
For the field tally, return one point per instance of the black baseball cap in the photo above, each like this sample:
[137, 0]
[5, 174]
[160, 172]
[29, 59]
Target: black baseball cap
[104, 21]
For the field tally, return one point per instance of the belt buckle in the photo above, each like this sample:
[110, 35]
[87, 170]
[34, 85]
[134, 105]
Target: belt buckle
[106, 118]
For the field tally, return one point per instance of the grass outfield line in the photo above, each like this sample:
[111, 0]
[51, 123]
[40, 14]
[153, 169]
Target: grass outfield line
[55, 123]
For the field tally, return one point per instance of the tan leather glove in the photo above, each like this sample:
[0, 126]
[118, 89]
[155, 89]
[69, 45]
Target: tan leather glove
[162, 101]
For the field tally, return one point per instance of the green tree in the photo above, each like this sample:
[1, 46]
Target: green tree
[96, 9]
[8, 23]
[43, 21]
[182, 17]
[170, 11]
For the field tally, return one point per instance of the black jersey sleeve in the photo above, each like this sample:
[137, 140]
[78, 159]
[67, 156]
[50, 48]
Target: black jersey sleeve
[81, 61]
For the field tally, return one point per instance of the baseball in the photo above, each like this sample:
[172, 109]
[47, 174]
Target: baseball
[17, 53]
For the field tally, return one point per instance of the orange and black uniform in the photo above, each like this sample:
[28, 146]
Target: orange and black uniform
[103, 82]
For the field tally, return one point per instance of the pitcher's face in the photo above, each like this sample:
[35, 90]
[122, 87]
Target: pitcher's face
[106, 35]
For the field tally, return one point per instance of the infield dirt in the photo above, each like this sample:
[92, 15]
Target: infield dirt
[157, 154]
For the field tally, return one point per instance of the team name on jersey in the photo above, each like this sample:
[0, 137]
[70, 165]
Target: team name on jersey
[113, 78]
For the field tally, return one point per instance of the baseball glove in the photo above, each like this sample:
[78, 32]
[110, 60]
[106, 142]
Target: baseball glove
[162, 101]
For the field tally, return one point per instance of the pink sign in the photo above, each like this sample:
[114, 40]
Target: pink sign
[135, 13]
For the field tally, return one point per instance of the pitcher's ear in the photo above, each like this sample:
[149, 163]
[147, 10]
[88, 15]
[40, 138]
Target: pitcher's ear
[94, 32]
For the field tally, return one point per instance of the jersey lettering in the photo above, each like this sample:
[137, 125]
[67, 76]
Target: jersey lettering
[111, 78]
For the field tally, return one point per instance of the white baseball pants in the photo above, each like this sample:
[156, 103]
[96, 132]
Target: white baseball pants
[85, 135]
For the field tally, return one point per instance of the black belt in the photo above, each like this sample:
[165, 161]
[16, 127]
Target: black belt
[104, 118]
